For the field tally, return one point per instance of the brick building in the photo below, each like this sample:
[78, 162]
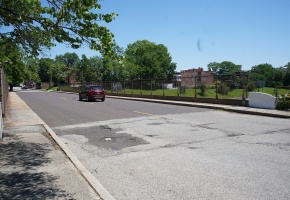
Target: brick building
[193, 76]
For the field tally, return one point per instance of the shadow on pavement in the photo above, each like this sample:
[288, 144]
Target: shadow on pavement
[20, 177]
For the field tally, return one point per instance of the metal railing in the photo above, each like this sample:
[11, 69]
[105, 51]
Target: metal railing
[215, 87]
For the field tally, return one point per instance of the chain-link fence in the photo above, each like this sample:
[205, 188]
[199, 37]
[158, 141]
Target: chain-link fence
[234, 86]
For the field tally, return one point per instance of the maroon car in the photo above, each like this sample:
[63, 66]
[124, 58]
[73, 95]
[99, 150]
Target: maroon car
[93, 92]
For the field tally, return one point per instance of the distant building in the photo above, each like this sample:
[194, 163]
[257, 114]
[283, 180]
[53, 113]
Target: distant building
[193, 76]
[177, 76]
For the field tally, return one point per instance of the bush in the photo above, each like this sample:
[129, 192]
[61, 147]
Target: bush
[231, 84]
[283, 102]
[252, 85]
[202, 87]
[223, 88]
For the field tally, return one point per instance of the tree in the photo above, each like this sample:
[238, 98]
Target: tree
[113, 69]
[213, 66]
[97, 64]
[264, 72]
[227, 74]
[34, 24]
[225, 67]
[45, 69]
[32, 69]
[279, 74]
[286, 79]
[58, 72]
[152, 60]
[131, 71]
[68, 59]
[84, 70]
[12, 61]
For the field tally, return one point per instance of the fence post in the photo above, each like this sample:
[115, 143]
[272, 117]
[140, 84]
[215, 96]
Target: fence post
[163, 87]
[195, 87]
[177, 86]
[243, 91]
[151, 86]
[117, 87]
[141, 88]
[247, 89]
[216, 88]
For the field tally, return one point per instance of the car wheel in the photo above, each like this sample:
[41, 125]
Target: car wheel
[80, 98]
[88, 99]
[103, 99]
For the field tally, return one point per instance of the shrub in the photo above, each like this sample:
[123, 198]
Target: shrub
[283, 102]
[202, 87]
[223, 88]
[252, 85]
[231, 84]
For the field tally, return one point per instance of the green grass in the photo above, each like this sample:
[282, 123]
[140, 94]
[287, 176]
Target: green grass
[271, 91]
[210, 93]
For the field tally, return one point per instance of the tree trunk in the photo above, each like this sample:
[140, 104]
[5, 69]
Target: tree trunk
[11, 88]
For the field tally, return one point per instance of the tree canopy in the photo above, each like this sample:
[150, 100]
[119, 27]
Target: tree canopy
[34, 24]
[11, 58]
[225, 67]
[151, 60]
[264, 72]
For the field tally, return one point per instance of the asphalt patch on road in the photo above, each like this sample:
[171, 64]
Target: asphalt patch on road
[106, 137]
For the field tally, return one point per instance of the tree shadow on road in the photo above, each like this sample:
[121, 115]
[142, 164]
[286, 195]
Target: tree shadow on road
[20, 177]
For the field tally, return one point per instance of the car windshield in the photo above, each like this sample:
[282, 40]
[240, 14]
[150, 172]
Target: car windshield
[96, 88]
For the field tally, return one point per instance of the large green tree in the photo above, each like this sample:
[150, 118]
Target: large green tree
[37, 24]
[32, 69]
[45, 69]
[264, 72]
[223, 68]
[152, 60]
[279, 74]
[286, 79]
[68, 59]
[58, 72]
[11, 58]
[84, 70]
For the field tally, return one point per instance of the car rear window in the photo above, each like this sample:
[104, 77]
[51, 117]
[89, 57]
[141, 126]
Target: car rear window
[96, 88]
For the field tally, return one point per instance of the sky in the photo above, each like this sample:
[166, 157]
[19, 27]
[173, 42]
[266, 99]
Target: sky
[198, 32]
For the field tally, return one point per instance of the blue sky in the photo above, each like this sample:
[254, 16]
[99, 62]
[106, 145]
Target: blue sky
[197, 32]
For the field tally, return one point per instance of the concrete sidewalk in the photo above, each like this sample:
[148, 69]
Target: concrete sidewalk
[34, 165]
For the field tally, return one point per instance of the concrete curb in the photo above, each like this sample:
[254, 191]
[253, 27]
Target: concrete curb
[92, 181]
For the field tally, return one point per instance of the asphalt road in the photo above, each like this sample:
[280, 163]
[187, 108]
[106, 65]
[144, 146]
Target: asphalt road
[59, 109]
[154, 151]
